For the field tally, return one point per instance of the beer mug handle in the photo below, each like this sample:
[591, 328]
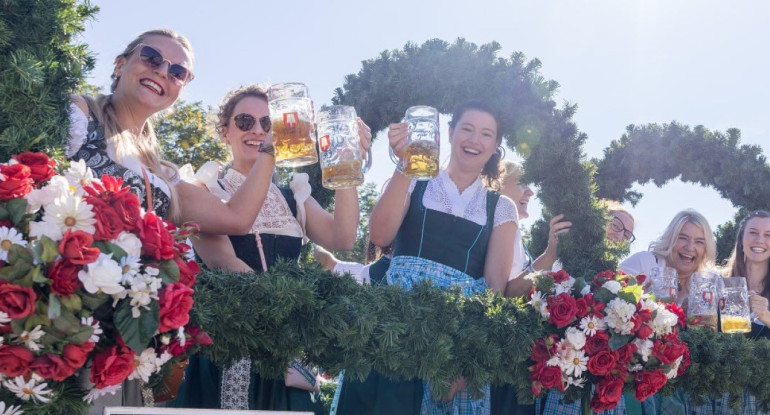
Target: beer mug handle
[367, 160]
[395, 159]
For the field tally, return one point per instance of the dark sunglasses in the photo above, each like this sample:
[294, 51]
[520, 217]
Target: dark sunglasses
[153, 59]
[245, 122]
[617, 225]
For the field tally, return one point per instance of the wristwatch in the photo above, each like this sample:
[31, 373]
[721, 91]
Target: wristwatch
[266, 148]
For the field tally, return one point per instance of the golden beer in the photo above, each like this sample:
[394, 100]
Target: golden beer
[292, 138]
[342, 175]
[420, 160]
[735, 324]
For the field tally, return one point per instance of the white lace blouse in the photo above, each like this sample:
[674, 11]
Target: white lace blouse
[441, 194]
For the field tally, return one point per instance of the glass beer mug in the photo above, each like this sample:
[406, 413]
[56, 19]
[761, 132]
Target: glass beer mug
[702, 299]
[735, 314]
[420, 159]
[664, 284]
[342, 165]
[291, 113]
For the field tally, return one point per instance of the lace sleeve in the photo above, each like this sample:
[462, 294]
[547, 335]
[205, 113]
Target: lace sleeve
[505, 212]
[300, 186]
[78, 130]
[208, 174]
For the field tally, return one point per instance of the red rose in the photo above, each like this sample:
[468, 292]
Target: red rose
[582, 307]
[76, 246]
[648, 383]
[51, 366]
[602, 363]
[640, 317]
[679, 311]
[559, 276]
[198, 336]
[112, 366]
[157, 241]
[644, 332]
[175, 305]
[112, 192]
[540, 351]
[108, 223]
[549, 376]
[640, 279]
[75, 355]
[17, 301]
[667, 352]
[187, 271]
[15, 181]
[609, 389]
[64, 277]
[685, 363]
[40, 165]
[602, 277]
[562, 308]
[625, 353]
[597, 343]
[15, 360]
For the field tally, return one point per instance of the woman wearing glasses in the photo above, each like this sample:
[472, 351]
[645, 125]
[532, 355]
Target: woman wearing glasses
[112, 134]
[287, 219]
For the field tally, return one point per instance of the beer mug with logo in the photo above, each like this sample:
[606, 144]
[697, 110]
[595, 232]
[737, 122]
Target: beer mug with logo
[420, 160]
[702, 299]
[665, 284]
[342, 165]
[291, 113]
[734, 311]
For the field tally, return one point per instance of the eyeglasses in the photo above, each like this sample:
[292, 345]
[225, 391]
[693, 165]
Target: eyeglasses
[617, 226]
[245, 122]
[154, 60]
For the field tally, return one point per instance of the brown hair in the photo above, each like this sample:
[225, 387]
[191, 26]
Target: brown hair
[231, 100]
[737, 262]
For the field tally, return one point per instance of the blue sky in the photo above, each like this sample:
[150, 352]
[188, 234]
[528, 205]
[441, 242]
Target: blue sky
[623, 62]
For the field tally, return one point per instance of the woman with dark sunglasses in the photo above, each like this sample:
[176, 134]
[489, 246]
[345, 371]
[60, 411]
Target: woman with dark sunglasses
[287, 219]
[112, 134]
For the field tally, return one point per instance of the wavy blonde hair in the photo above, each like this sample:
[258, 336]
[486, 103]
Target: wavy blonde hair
[144, 146]
[663, 246]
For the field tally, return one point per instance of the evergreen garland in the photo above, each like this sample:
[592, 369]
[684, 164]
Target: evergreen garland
[40, 66]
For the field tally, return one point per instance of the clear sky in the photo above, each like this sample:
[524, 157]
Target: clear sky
[623, 62]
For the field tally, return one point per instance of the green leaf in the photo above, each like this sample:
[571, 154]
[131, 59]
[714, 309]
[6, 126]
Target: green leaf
[71, 303]
[94, 301]
[67, 323]
[49, 249]
[618, 340]
[37, 276]
[4, 215]
[169, 272]
[580, 283]
[82, 335]
[17, 208]
[631, 293]
[18, 254]
[54, 307]
[117, 252]
[136, 332]
[37, 319]
[604, 295]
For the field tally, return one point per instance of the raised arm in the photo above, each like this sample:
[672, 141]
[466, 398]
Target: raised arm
[391, 208]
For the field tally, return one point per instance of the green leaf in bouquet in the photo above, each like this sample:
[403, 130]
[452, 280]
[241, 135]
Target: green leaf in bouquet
[4, 215]
[67, 323]
[94, 301]
[82, 335]
[117, 252]
[40, 318]
[580, 283]
[603, 295]
[169, 272]
[46, 249]
[37, 276]
[17, 208]
[15, 272]
[18, 254]
[54, 307]
[136, 332]
[619, 340]
[71, 302]
[631, 293]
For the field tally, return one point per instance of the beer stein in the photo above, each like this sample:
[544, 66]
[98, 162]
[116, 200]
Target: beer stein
[342, 165]
[291, 113]
[734, 313]
[702, 299]
[664, 284]
[420, 159]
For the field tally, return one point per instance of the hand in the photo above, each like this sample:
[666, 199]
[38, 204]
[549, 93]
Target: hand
[457, 386]
[759, 306]
[557, 227]
[397, 137]
[364, 135]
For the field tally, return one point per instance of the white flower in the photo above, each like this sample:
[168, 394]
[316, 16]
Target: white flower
[180, 336]
[103, 275]
[164, 357]
[145, 364]
[576, 337]
[130, 266]
[144, 289]
[10, 410]
[56, 188]
[613, 286]
[71, 213]
[590, 324]
[49, 229]
[29, 338]
[585, 290]
[644, 348]
[538, 301]
[4, 318]
[9, 237]
[565, 286]
[575, 363]
[674, 368]
[98, 393]
[79, 176]
[663, 322]
[89, 321]
[129, 243]
[619, 313]
[635, 368]
[578, 382]
[28, 390]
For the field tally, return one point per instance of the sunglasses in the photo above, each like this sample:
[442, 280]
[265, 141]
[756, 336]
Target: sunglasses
[245, 122]
[153, 59]
[617, 225]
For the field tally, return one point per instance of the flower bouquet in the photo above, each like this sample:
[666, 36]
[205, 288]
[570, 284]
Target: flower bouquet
[608, 335]
[93, 291]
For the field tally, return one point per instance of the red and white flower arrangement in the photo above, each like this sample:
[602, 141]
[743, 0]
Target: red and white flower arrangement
[604, 337]
[88, 282]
